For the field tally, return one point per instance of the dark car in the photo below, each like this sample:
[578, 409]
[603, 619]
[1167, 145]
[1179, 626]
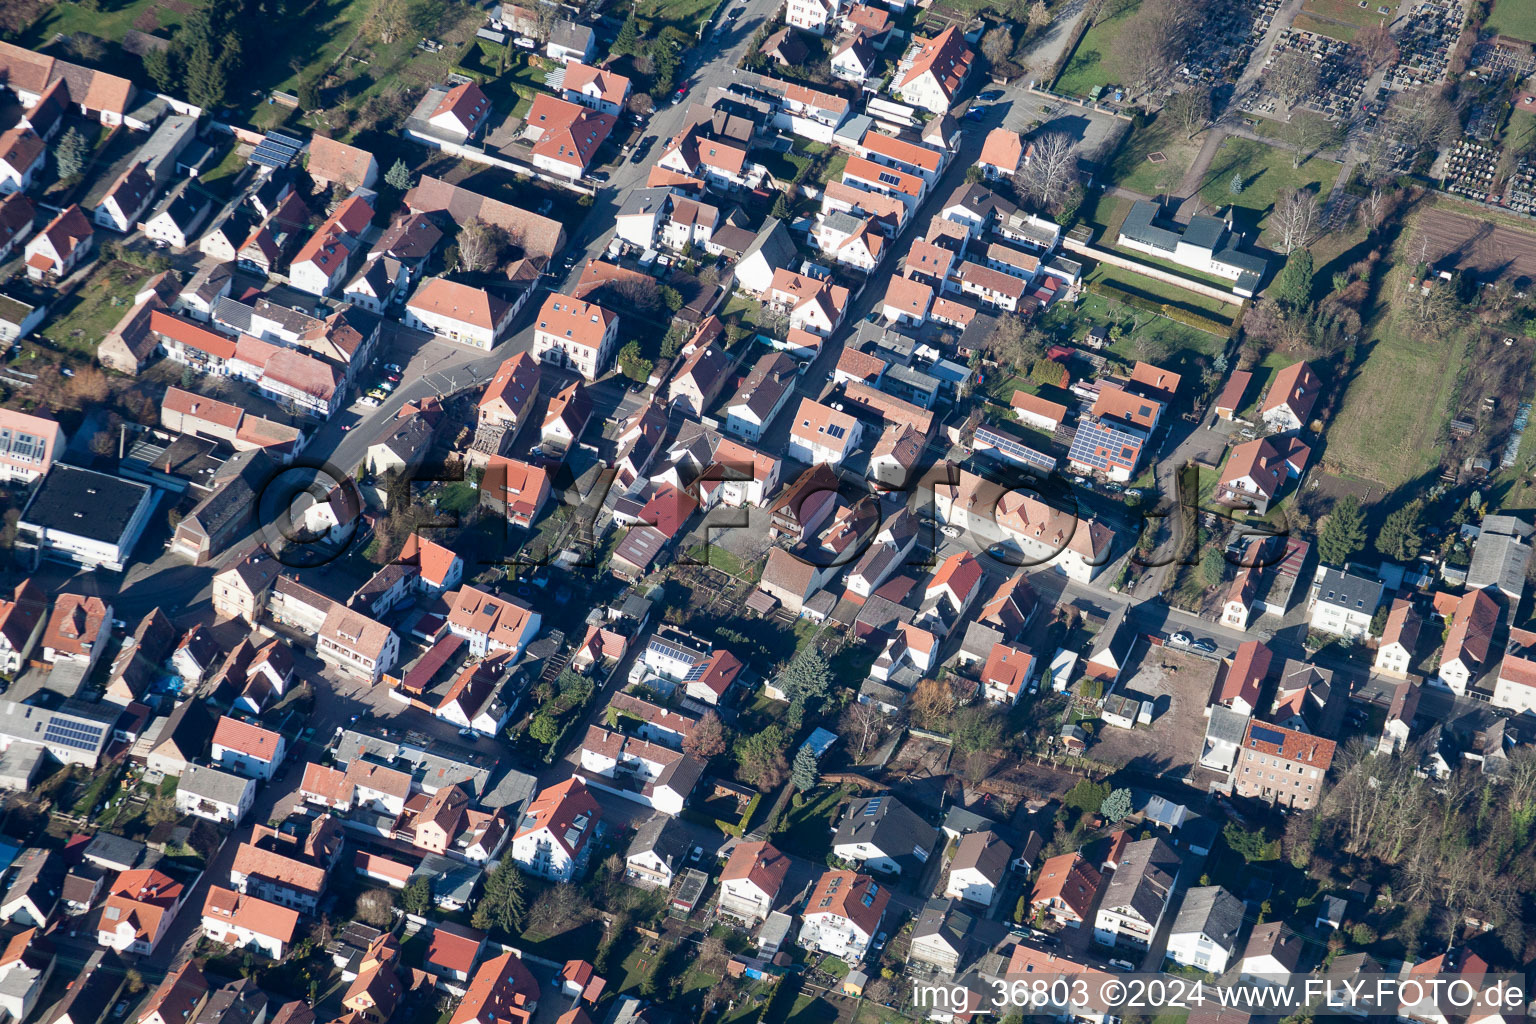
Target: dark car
[1205, 645]
[642, 148]
[991, 94]
[598, 175]
[976, 113]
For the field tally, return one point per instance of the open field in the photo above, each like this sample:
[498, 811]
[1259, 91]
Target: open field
[684, 15]
[1267, 172]
[109, 23]
[1467, 243]
[1514, 18]
[1388, 429]
[1098, 59]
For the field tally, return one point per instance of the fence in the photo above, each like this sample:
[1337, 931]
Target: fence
[1155, 273]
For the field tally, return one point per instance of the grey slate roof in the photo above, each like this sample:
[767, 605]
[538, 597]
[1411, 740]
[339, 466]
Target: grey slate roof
[1501, 555]
[1144, 880]
[1347, 589]
[984, 851]
[1211, 911]
[886, 824]
[661, 836]
[944, 919]
[1226, 725]
[212, 784]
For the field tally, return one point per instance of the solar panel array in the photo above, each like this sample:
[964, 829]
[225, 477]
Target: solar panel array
[70, 733]
[1265, 734]
[277, 150]
[21, 446]
[1013, 450]
[1092, 437]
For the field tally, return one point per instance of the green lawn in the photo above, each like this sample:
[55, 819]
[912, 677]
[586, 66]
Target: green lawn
[808, 829]
[1388, 429]
[686, 15]
[94, 308]
[1098, 59]
[110, 22]
[1338, 19]
[1132, 167]
[1094, 311]
[1514, 18]
[1138, 284]
[1266, 172]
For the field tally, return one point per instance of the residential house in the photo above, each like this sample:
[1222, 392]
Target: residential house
[1469, 641]
[1291, 397]
[1137, 895]
[1245, 675]
[502, 991]
[1343, 602]
[552, 838]
[764, 392]
[248, 923]
[54, 252]
[17, 216]
[356, 644]
[22, 619]
[126, 201]
[1394, 655]
[576, 334]
[1001, 153]
[657, 854]
[565, 135]
[217, 796]
[247, 749]
[1007, 673]
[1274, 950]
[1282, 766]
[569, 42]
[751, 880]
[943, 939]
[1066, 889]
[822, 434]
[78, 631]
[138, 909]
[462, 112]
[645, 772]
[510, 391]
[978, 868]
[22, 152]
[459, 312]
[518, 490]
[1255, 471]
[490, 623]
[771, 250]
[883, 834]
[843, 914]
[815, 16]
[598, 88]
[934, 71]
[812, 305]
[1515, 687]
[1206, 930]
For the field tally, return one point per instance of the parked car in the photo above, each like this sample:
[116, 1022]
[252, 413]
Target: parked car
[1205, 645]
[598, 175]
[371, 402]
[393, 368]
[990, 95]
[950, 531]
[1180, 640]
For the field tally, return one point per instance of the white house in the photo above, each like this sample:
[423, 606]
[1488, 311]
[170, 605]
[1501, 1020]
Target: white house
[978, 868]
[127, 199]
[932, 73]
[490, 623]
[1469, 642]
[176, 223]
[216, 795]
[22, 154]
[575, 333]
[1206, 930]
[1137, 895]
[247, 749]
[1342, 602]
[320, 266]
[459, 312]
[750, 881]
[246, 922]
[1394, 656]
[843, 914]
[463, 111]
[1515, 687]
[822, 434]
[597, 88]
[60, 247]
[816, 16]
[883, 833]
[645, 772]
[656, 856]
[552, 838]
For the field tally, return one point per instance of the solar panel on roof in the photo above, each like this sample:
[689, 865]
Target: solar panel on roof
[1267, 735]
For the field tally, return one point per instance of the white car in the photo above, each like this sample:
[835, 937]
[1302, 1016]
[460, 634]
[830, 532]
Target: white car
[1180, 640]
[950, 531]
[370, 402]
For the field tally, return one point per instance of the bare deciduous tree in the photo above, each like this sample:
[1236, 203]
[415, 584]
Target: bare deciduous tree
[997, 45]
[1190, 110]
[1373, 208]
[1049, 171]
[480, 246]
[1296, 220]
[390, 20]
[1307, 132]
[1376, 45]
[1292, 77]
